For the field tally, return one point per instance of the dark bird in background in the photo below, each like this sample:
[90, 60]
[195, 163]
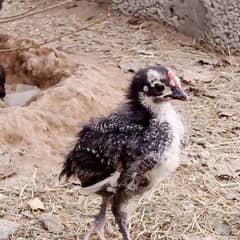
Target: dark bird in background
[2, 82]
[1, 2]
[129, 152]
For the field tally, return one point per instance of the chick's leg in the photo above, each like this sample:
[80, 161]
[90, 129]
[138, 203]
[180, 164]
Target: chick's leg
[98, 225]
[131, 185]
[119, 208]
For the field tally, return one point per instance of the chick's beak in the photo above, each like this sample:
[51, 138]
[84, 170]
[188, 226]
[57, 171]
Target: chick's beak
[177, 92]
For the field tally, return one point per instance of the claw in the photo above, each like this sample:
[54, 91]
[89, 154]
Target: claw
[98, 225]
[98, 228]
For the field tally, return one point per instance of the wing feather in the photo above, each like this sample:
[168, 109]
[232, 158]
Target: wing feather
[104, 144]
[99, 149]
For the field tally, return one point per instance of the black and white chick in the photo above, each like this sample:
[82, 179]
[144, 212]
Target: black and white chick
[129, 152]
[2, 82]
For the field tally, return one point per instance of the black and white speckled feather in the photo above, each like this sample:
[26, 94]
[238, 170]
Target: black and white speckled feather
[105, 145]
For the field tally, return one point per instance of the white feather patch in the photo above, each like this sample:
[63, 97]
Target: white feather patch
[170, 159]
[109, 184]
[153, 77]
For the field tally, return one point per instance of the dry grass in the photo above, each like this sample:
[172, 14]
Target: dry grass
[187, 205]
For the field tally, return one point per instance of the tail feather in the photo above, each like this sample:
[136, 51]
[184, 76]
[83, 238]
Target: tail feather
[67, 170]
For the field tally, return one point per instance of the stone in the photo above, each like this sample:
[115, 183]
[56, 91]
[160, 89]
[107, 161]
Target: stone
[36, 204]
[7, 228]
[52, 223]
[222, 228]
[21, 98]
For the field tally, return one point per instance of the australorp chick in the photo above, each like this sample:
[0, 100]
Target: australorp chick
[130, 151]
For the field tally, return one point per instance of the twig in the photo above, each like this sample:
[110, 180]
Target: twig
[22, 191]
[37, 45]
[21, 14]
[37, 12]
[69, 235]
[34, 182]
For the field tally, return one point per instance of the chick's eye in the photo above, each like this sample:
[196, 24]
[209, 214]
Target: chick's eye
[159, 87]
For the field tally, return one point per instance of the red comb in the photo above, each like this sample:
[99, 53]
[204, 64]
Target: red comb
[175, 80]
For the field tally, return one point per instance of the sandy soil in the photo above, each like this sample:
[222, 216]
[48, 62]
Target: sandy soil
[85, 75]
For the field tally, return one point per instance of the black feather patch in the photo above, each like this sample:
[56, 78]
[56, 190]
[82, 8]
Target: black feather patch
[2, 82]
[122, 138]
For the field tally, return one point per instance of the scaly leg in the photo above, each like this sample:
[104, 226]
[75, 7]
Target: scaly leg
[119, 203]
[130, 185]
[98, 225]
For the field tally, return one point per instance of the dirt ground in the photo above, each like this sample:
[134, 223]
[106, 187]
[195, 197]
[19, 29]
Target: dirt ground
[83, 75]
